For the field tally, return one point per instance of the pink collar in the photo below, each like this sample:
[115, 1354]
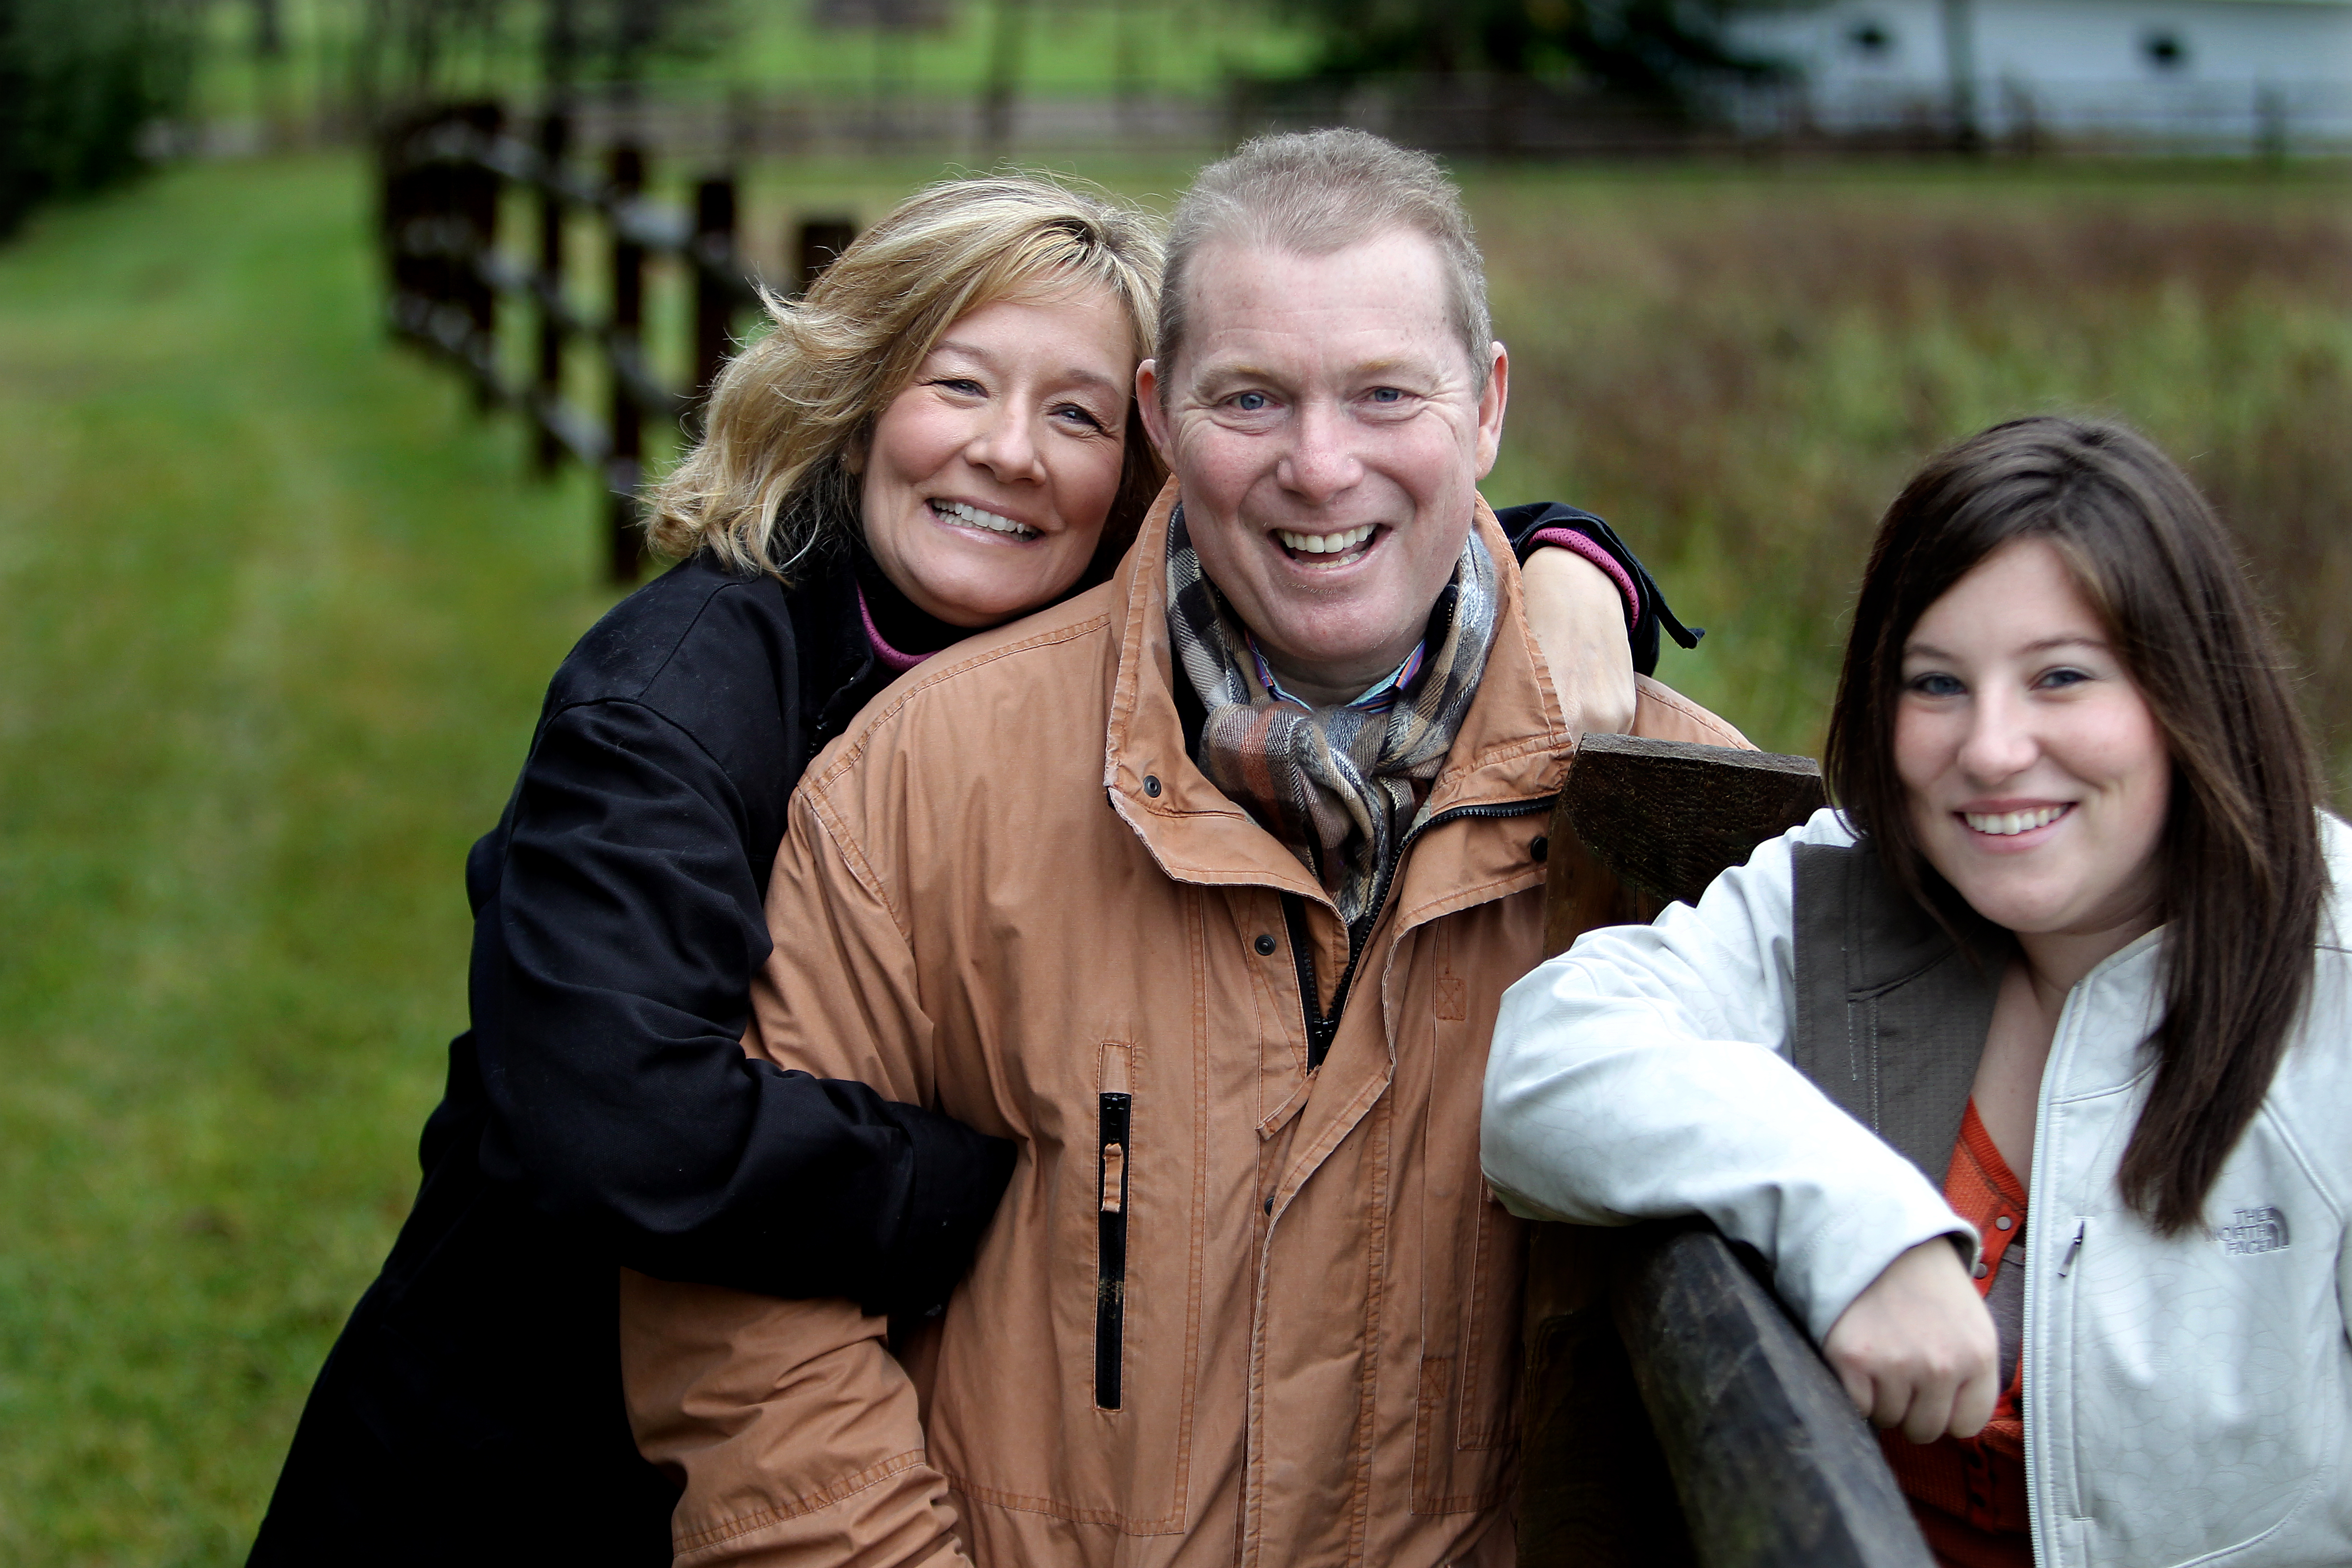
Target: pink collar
[900, 662]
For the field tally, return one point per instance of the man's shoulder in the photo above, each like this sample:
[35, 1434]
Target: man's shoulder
[1032, 695]
[1662, 713]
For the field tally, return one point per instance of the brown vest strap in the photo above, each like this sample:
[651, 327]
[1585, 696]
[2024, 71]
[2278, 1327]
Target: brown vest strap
[1890, 1013]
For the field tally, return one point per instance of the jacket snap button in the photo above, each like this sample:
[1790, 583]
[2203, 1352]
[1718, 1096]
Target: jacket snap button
[1981, 1270]
[1266, 947]
[1539, 848]
[1151, 785]
[2003, 1223]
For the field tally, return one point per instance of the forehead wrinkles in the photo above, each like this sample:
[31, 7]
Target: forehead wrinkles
[1234, 286]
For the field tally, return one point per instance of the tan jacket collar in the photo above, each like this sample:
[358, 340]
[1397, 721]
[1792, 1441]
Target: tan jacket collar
[1514, 744]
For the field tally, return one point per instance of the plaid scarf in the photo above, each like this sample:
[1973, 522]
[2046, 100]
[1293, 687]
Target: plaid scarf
[1340, 787]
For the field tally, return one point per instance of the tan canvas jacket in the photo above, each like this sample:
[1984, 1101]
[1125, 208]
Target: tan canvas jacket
[1231, 1311]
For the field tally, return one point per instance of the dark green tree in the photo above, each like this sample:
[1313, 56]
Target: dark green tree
[80, 81]
[1654, 49]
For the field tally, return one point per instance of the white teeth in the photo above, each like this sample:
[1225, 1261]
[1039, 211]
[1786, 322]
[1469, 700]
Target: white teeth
[2006, 824]
[964, 512]
[1324, 543]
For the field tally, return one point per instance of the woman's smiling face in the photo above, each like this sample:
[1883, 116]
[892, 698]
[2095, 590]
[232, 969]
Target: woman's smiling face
[2037, 776]
[987, 480]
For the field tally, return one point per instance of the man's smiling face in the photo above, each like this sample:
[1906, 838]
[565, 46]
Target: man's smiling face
[1328, 431]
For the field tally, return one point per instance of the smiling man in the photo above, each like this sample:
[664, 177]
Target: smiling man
[1203, 889]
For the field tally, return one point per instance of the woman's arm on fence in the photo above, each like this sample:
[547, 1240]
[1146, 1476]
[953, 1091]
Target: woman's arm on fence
[1644, 1075]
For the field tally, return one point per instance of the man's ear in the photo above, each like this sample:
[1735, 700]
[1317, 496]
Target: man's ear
[1146, 404]
[1490, 409]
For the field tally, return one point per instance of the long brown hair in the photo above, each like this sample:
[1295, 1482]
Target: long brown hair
[2243, 868]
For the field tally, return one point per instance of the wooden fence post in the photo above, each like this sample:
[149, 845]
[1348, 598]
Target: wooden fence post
[416, 204]
[1594, 1489]
[625, 450]
[713, 255]
[444, 176]
[820, 239]
[554, 146]
[474, 190]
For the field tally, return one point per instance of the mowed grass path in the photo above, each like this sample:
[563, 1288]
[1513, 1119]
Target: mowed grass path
[276, 611]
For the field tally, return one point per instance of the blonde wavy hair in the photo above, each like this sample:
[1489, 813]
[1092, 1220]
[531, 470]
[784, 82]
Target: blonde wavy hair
[768, 487]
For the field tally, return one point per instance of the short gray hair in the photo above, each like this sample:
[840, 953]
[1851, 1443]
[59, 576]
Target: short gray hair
[1315, 192]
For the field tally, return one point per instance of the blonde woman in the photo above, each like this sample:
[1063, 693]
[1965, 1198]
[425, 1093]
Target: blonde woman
[941, 437]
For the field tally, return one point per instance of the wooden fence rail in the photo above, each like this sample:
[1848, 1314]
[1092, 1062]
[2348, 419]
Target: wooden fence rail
[445, 176]
[1673, 1412]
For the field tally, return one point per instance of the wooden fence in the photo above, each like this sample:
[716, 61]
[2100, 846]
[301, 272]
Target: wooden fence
[445, 175]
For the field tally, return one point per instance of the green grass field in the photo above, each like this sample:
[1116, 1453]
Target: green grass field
[274, 614]
[276, 604]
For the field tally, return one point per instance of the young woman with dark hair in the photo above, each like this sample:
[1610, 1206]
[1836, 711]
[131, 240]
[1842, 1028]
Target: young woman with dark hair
[2027, 1069]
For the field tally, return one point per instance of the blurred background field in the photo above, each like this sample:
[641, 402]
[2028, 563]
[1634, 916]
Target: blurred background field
[277, 600]
[1743, 369]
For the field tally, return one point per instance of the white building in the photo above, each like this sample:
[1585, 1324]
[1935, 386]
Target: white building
[2191, 75]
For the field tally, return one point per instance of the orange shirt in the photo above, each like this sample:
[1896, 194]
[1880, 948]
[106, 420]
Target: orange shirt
[1968, 1495]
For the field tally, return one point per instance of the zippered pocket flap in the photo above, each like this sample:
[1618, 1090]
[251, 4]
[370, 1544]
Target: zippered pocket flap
[1113, 1157]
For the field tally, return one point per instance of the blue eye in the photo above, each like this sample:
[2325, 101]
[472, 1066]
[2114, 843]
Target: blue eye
[1935, 684]
[1388, 394]
[1252, 401]
[2059, 678]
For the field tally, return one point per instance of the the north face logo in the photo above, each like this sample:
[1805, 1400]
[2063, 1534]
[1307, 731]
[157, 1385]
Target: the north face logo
[2254, 1230]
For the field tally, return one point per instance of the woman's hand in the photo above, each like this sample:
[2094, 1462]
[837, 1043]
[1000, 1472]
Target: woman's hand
[1916, 1349]
[1579, 618]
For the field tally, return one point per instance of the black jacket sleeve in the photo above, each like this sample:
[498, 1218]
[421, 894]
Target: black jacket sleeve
[619, 922]
[1522, 523]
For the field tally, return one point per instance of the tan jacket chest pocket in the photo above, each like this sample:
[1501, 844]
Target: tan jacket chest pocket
[1067, 1375]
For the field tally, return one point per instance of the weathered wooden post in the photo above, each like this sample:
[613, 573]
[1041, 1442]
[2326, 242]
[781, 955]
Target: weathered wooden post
[1671, 1413]
[625, 451]
[416, 212]
[713, 257]
[397, 207]
[1594, 1490]
[819, 240]
[475, 191]
[554, 146]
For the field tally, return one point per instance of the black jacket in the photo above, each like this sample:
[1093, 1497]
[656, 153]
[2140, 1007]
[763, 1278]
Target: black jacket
[600, 1110]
